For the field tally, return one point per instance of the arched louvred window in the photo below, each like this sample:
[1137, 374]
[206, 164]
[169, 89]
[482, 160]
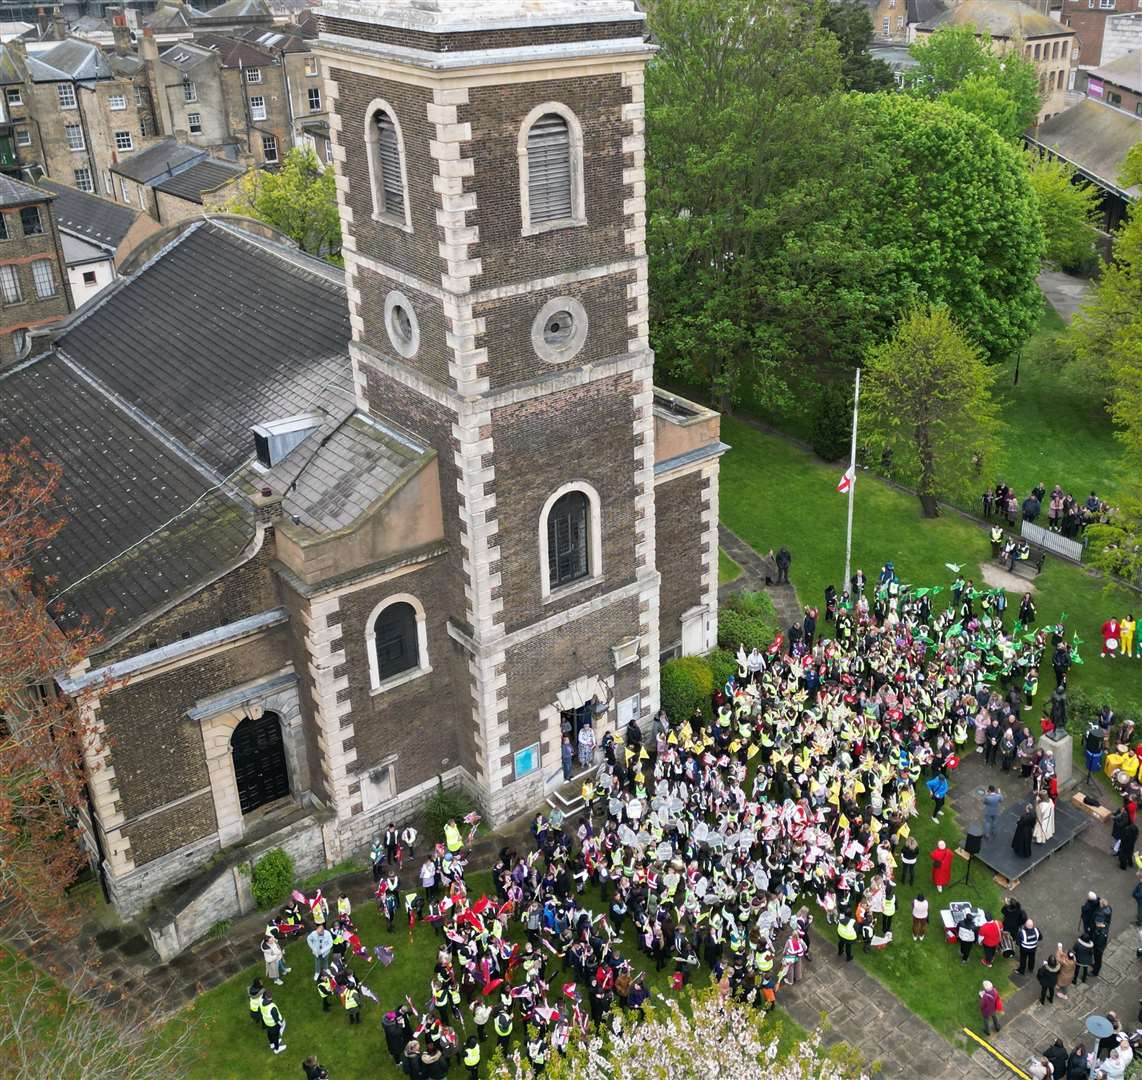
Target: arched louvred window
[390, 182]
[396, 638]
[567, 532]
[549, 169]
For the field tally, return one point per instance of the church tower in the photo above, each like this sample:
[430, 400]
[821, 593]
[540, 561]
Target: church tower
[489, 162]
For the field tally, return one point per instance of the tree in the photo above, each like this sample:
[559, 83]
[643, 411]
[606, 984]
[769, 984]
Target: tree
[299, 199]
[714, 1040]
[848, 21]
[954, 65]
[1104, 332]
[960, 210]
[41, 733]
[756, 195]
[1131, 173]
[51, 1030]
[832, 421]
[928, 399]
[1067, 209]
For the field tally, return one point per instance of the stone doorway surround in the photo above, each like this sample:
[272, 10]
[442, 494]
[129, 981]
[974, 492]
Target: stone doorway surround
[219, 715]
[576, 693]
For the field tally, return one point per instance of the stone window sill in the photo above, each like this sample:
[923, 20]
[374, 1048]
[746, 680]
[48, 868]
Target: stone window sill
[400, 680]
[562, 591]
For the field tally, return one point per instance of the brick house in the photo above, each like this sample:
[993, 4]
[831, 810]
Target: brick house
[34, 289]
[1090, 20]
[1011, 24]
[425, 510]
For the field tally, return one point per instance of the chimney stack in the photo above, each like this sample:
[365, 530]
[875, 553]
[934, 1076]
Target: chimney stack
[122, 34]
[59, 27]
[42, 23]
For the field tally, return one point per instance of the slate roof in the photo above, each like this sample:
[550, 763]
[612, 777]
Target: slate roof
[147, 399]
[239, 9]
[185, 56]
[999, 18]
[207, 175]
[1126, 72]
[236, 51]
[9, 70]
[77, 251]
[90, 217]
[156, 160]
[120, 483]
[67, 60]
[171, 16]
[16, 193]
[1094, 138]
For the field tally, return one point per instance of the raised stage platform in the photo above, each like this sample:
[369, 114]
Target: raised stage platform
[997, 854]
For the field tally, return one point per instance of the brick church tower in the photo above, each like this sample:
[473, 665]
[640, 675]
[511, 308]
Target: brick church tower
[490, 179]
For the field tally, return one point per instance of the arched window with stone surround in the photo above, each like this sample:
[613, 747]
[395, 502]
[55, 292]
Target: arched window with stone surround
[396, 640]
[387, 169]
[570, 538]
[550, 150]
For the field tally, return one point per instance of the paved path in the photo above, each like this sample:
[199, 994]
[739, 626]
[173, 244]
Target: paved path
[1064, 292]
[752, 579]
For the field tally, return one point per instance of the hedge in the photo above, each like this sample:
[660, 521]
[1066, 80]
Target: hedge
[722, 664]
[272, 878]
[686, 683]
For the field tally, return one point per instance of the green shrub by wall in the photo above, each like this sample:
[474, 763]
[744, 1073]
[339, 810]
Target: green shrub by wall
[686, 683]
[272, 879]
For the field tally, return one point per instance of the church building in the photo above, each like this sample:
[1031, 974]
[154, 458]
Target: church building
[422, 513]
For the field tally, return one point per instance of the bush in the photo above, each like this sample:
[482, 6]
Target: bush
[272, 879]
[686, 683]
[753, 603]
[443, 805]
[832, 420]
[722, 664]
[220, 929]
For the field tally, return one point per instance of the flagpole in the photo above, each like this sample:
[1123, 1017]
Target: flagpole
[852, 487]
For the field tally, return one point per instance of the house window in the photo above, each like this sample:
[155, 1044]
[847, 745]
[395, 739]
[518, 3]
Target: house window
[3, 226]
[1038, 51]
[124, 190]
[83, 179]
[66, 95]
[44, 278]
[189, 91]
[253, 75]
[314, 95]
[144, 129]
[123, 141]
[116, 102]
[567, 539]
[386, 161]
[194, 123]
[257, 107]
[14, 96]
[884, 25]
[21, 342]
[23, 137]
[328, 151]
[10, 285]
[1113, 98]
[1137, 112]
[1106, 5]
[88, 277]
[30, 221]
[141, 97]
[397, 641]
[550, 152]
[311, 66]
[74, 135]
[899, 22]
[270, 147]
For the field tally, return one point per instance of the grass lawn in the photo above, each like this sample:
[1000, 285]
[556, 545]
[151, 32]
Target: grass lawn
[773, 494]
[728, 570]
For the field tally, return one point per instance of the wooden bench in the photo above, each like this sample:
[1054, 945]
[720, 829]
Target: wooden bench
[1032, 567]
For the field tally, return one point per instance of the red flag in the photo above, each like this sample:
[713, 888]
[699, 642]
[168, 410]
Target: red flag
[846, 481]
[491, 985]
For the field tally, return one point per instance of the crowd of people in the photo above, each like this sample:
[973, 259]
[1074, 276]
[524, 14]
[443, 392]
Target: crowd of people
[704, 843]
[1058, 511]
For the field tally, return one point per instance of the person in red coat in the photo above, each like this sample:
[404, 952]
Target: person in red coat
[941, 866]
[990, 933]
[1111, 637]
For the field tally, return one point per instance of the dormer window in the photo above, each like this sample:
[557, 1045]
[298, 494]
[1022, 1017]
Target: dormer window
[274, 439]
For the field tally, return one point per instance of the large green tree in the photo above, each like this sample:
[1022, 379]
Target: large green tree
[300, 199]
[1067, 209]
[757, 198]
[955, 65]
[848, 21]
[927, 397]
[960, 205]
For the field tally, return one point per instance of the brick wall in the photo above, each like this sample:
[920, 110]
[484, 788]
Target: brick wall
[299, 656]
[580, 434]
[416, 720]
[514, 37]
[416, 253]
[678, 525]
[496, 114]
[156, 751]
[540, 668]
[171, 829]
[511, 356]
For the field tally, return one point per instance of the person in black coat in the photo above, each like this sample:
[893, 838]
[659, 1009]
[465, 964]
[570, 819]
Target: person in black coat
[1077, 1068]
[1084, 956]
[1027, 610]
[783, 560]
[1013, 916]
[1126, 842]
[1024, 827]
[1056, 1055]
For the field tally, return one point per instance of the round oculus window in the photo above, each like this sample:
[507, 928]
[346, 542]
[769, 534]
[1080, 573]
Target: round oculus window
[559, 331]
[401, 324]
